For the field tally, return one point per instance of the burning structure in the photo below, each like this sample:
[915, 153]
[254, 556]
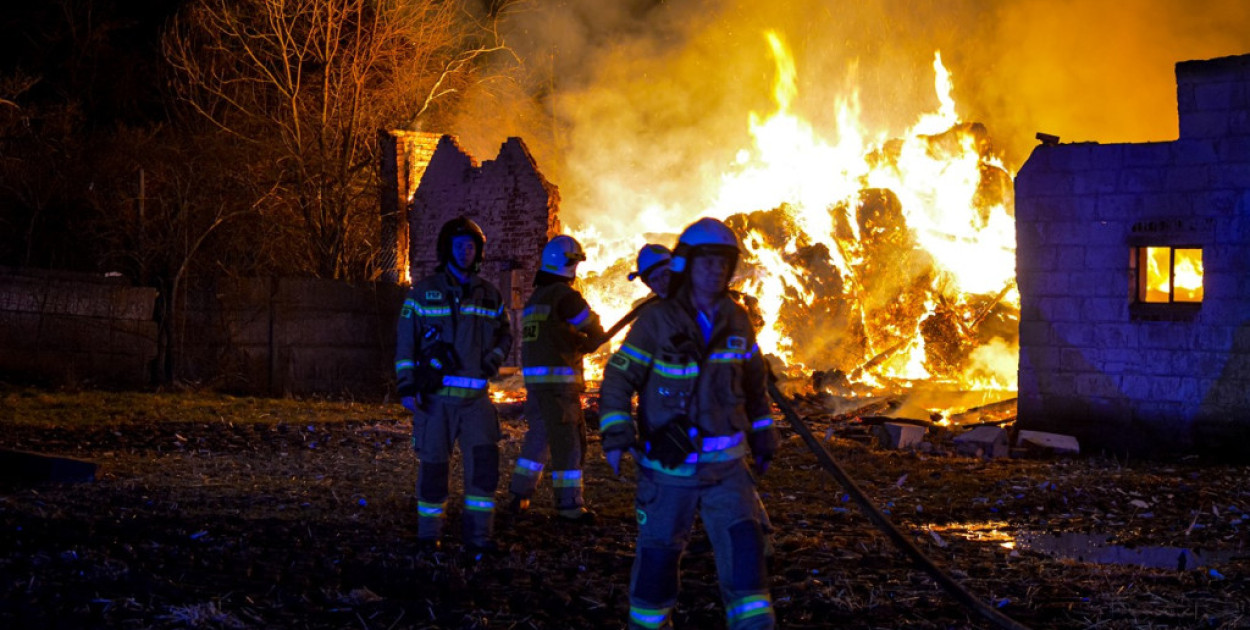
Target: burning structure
[1133, 270]
[880, 265]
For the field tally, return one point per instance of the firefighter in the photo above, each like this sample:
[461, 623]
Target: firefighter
[702, 429]
[559, 328]
[453, 334]
[653, 268]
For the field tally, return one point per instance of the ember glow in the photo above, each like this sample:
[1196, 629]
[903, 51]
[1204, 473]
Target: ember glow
[882, 260]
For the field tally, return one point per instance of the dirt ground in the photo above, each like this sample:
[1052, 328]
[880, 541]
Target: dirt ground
[210, 511]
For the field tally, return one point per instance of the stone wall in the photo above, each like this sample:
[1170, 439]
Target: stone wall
[66, 328]
[263, 336]
[1092, 365]
[292, 336]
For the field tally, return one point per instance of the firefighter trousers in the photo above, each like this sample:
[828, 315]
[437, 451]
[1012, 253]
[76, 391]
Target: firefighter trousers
[557, 432]
[730, 511]
[436, 428]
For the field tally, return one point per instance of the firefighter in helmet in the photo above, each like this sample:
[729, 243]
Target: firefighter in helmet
[559, 328]
[653, 268]
[703, 426]
[453, 334]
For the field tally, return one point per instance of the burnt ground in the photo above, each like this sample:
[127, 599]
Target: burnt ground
[216, 512]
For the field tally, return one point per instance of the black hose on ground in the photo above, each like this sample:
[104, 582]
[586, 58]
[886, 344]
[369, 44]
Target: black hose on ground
[900, 540]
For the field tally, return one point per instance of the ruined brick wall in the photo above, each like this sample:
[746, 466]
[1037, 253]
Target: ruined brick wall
[405, 155]
[1089, 364]
[66, 328]
[508, 197]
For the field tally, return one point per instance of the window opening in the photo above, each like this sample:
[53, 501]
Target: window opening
[1169, 275]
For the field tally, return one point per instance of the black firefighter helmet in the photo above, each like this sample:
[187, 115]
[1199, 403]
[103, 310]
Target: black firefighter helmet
[460, 226]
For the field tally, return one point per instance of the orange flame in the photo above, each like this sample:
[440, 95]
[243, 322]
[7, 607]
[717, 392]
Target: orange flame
[937, 170]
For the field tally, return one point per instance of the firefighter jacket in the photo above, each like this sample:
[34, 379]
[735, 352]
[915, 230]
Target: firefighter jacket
[712, 389]
[446, 334]
[558, 329]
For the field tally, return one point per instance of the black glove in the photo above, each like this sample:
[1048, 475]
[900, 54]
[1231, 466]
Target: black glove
[491, 363]
[406, 385]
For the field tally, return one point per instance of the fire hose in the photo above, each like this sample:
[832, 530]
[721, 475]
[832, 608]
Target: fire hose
[625, 321]
[900, 540]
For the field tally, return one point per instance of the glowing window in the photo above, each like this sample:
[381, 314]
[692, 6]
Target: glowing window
[1169, 275]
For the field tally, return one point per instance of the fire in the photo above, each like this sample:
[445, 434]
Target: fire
[1187, 275]
[1173, 275]
[885, 260]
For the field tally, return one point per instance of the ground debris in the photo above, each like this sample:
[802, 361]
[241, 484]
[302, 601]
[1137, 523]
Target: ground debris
[301, 514]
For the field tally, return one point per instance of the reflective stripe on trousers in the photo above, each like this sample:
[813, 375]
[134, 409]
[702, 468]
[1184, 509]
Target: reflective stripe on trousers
[730, 513]
[556, 434]
[474, 424]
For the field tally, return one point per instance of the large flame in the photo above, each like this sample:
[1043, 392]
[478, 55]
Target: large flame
[878, 258]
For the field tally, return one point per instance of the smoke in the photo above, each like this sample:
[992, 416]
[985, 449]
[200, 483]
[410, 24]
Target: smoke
[636, 107]
[1098, 71]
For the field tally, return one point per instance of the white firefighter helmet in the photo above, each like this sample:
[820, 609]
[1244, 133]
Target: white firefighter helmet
[651, 258]
[561, 255]
[705, 236]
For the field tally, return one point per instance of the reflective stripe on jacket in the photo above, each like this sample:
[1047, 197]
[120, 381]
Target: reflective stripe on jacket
[558, 328]
[717, 386]
[471, 318]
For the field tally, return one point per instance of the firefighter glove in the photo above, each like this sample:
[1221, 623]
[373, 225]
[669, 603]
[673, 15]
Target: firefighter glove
[409, 403]
[614, 459]
[491, 362]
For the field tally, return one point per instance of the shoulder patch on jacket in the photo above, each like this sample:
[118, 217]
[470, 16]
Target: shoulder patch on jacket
[433, 295]
[737, 343]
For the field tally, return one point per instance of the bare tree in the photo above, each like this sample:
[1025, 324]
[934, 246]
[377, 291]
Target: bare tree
[35, 171]
[160, 199]
[307, 83]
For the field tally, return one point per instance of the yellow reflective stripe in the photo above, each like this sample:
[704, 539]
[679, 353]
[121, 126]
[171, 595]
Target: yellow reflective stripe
[459, 392]
[434, 311]
[536, 313]
[429, 510]
[612, 418]
[649, 617]
[749, 606]
[634, 353]
[566, 478]
[677, 370]
[475, 503]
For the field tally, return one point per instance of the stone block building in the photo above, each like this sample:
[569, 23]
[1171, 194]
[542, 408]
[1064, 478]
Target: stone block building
[1134, 272]
[436, 180]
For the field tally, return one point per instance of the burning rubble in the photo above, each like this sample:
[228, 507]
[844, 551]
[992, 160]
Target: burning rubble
[887, 267]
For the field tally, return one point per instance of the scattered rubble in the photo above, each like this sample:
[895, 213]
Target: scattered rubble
[220, 512]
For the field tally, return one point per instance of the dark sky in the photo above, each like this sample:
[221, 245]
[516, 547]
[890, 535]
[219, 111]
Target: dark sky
[101, 54]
